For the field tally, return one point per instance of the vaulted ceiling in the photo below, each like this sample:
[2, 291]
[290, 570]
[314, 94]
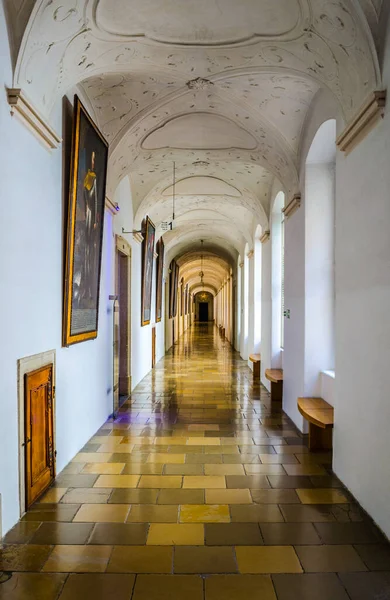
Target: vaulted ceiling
[222, 88]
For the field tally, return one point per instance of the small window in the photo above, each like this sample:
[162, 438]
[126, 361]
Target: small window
[282, 283]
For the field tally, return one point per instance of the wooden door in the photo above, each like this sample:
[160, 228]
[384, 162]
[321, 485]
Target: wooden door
[39, 444]
[153, 346]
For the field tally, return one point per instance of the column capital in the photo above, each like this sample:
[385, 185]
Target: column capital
[292, 206]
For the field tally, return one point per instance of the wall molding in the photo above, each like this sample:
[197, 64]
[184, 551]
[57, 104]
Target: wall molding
[250, 254]
[241, 264]
[364, 121]
[265, 237]
[138, 237]
[22, 108]
[292, 206]
[112, 207]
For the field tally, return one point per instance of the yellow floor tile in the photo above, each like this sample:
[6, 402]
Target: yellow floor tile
[103, 468]
[204, 513]
[228, 496]
[160, 481]
[267, 559]
[224, 470]
[78, 559]
[204, 442]
[124, 448]
[117, 481]
[92, 457]
[256, 469]
[178, 534]
[102, 513]
[176, 459]
[206, 482]
[322, 496]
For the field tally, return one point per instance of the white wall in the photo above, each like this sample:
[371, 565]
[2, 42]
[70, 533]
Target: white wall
[362, 414]
[31, 275]
[266, 312]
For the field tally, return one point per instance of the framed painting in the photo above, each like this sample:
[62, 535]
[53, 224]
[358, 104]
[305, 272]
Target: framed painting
[172, 275]
[84, 235]
[159, 280]
[149, 232]
[186, 311]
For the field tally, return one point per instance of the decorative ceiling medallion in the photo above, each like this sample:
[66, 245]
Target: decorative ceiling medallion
[199, 84]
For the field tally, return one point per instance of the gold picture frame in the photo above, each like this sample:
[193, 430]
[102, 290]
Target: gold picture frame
[149, 233]
[85, 224]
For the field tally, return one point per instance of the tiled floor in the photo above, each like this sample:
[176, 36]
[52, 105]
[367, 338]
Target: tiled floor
[200, 490]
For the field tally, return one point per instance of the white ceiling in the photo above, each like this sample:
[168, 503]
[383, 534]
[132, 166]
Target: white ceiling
[221, 88]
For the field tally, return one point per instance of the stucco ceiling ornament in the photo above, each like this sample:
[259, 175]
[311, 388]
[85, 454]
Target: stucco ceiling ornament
[199, 84]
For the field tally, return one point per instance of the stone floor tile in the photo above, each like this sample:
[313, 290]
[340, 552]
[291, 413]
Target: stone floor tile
[206, 482]
[247, 481]
[76, 481]
[238, 587]
[21, 533]
[103, 468]
[134, 468]
[133, 496]
[322, 586]
[349, 533]
[170, 469]
[51, 512]
[299, 513]
[228, 496]
[117, 481]
[53, 495]
[289, 482]
[224, 469]
[256, 513]
[32, 586]
[168, 587]
[62, 533]
[198, 559]
[367, 586]
[181, 496]
[152, 513]
[267, 559]
[203, 459]
[176, 534]
[233, 534]
[376, 557]
[310, 469]
[204, 513]
[322, 496]
[104, 513]
[259, 469]
[86, 496]
[274, 496]
[160, 481]
[18, 557]
[289, 534]
[95, 586]
[78, 559]
[141, 559]
[326, 559]
[119, 534]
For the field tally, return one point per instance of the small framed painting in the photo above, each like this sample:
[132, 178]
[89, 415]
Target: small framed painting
[84, 235]
[147, 271]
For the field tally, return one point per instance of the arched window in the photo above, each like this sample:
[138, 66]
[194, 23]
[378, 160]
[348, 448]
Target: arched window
[277, 240]
[320, 256]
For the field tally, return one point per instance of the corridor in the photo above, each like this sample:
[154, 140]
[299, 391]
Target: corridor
[198, 490]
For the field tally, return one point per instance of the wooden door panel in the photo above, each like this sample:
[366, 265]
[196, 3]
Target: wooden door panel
[39, 432]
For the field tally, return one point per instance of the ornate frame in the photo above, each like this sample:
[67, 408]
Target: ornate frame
[146, 225]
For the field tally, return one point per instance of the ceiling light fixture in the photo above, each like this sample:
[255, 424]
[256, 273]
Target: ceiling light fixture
[201, 274]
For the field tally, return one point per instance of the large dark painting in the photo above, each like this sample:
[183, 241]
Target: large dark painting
[159, 280]
[173, 285]
[84, 229]
[149, 232]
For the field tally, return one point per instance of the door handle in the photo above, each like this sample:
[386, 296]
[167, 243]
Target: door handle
[26, 442]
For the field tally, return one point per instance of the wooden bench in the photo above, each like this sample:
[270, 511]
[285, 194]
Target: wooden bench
[256, 360]
[275, 376]
[320, 416]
